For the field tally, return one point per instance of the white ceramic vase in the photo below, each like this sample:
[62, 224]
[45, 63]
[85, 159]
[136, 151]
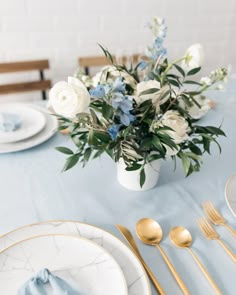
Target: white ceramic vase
[130, 179]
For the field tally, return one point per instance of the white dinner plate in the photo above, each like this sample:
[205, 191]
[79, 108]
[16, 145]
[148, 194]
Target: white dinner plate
[230, 193]
[48, 131]
[135, 275]
[84, 265]
[32, 122]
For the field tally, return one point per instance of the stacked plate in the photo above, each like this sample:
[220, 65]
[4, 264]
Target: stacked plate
[85, 256]
[37, 126]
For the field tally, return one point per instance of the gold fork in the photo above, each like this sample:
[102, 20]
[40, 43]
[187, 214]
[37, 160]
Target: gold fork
[210, 233]
[215, 217]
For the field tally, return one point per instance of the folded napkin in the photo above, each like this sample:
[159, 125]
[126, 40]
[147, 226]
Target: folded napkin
[35, 285]
[9, 122]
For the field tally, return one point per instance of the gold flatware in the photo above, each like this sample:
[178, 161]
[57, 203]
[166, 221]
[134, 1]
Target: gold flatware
[150, 233]
[129, 238]
[182, 238]
[215, 217]
[210, 233]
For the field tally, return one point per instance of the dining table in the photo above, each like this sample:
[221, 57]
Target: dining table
[33, 188]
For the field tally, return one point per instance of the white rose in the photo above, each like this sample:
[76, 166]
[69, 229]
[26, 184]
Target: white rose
[194, 57]
[69, 98]
[155, 97]
[194, 111]
[180, 126]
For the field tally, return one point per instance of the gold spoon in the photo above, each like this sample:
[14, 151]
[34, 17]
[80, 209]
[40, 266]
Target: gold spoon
[182, 238]
[150, 232]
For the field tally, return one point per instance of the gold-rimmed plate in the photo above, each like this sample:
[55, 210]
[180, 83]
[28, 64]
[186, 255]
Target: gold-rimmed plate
[230, 193]
[85, 266]
[134, 273]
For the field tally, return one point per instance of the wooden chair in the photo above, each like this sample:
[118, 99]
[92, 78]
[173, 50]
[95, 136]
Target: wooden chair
[100, 61]
[24, 66]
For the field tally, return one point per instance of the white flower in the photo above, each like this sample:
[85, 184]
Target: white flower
[155, 97]
[69, 98]
[180, 126]
[206, 81]
[194, 57]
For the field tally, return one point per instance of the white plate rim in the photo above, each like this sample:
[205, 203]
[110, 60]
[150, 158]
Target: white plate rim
[37, 138]
[30, 108]
[93, 226]
[79, 238]
[227, 194]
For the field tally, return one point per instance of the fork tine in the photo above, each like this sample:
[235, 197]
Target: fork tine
[202, 227]
[215, 211]
[205, 227]
[208, 211]
[209, 227]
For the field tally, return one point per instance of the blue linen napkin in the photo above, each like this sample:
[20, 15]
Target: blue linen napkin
[35, 285]
[9, 122]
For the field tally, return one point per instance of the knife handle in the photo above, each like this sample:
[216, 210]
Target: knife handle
[152, 277]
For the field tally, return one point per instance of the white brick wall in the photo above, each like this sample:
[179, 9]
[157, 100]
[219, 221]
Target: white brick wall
[63, 30]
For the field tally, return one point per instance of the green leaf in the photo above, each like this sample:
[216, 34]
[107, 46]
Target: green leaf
[107, 111]
[192, 82]
[186, 164]
[215, 130]
[181, 71]
[157, 143]
[134, 167]
[98, 154]
[71, 161]
[174, 82]
[193, 71]
[64, 150]
[87, 154]
[154, 157]
[149, 91]
[195, 149]
[102, 136]
[142, 177]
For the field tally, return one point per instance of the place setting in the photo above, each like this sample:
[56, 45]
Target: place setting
[54, 256]
[23, 126]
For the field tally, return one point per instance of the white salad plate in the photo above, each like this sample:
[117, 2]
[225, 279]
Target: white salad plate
[230, 193]
[47, 132]
[84, 265]
[32, 122]
[135, 276]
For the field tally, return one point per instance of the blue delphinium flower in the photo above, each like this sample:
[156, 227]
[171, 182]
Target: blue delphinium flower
[123, 104]
[113, 130]
[98, 92]
[119, 85]
[157, 48]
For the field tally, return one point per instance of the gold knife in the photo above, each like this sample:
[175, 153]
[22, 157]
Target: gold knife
[129, 238]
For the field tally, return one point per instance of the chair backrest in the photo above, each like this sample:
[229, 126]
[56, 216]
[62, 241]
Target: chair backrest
[25, 66]
[99, 61]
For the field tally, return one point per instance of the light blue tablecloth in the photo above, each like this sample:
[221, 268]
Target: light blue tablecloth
[34, 189]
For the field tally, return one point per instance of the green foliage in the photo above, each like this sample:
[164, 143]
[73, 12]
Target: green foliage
[145, 138]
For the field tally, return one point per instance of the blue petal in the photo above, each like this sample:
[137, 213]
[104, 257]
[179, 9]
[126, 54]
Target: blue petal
[113, 130]
[119, 85]
[98, 92]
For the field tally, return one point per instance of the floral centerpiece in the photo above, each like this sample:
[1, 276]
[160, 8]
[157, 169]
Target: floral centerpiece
[140, 114]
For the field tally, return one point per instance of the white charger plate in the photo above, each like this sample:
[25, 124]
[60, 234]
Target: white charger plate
[32, 122]
[230, 193]
[81, 263]
[134, 273]
[48, 131]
